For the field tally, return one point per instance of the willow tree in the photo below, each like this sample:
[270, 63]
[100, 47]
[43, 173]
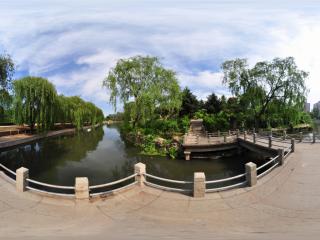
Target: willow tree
[34, 102]
[77, 111]
[268, 90]
[145, 83]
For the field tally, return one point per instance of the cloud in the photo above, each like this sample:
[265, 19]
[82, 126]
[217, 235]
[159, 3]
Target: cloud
[75, 43]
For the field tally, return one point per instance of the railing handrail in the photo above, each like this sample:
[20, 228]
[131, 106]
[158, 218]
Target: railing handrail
[113, 183]
[167, 180]
[267, 171]
[7, 169]
[113, 190]
[50, 185]
[208, 190]
[267, 163]
[167, 188]
[226, 179]
[51, 193]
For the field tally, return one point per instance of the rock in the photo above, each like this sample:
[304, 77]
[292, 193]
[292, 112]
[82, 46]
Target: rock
[160, 142]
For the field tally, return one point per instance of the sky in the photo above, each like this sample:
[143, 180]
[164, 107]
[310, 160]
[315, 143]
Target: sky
[75, 43]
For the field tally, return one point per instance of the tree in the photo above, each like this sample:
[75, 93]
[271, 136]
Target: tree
[6, 73]
[190, 103]
[147, 84]
[34, 102]
[268, 87]
[213, 104]
[76, 111]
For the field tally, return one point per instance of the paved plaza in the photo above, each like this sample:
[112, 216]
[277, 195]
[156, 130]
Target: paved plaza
[284, 205]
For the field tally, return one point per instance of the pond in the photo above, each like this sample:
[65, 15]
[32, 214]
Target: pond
[103, 156]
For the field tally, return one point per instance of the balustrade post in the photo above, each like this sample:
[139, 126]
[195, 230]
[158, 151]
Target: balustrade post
[270, 134]
[270, 141]
[251, 174]
[293, 143]
[238, 133]
[314, 137]
[284, 134]
[301, 136]
[224, 138]
[229, 133]
[140, 170]
[21, 179]
[281, 156]
[218, 133]
[187, 155]
[199, 184]
[253, 130]
[245, 135]
[82, 188]
[254, 138]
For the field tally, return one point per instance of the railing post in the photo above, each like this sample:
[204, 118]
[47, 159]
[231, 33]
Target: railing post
[187, 155]
[270, 134]
[284, 134]
[254, 138]
[281, 156]
[199, 184]
[270, 141]
[82, 188]
[218, 133]
[254, 130]
[293, 143]
[301, 136]
[140, 170]
[224, 138]
[314, 137]
[251, 174]
[245, 135]
[21, 179]
[238, 133]
[229, 133]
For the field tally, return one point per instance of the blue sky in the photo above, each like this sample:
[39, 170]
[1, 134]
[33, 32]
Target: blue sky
[75, 43]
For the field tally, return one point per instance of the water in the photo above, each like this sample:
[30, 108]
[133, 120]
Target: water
[103, 156]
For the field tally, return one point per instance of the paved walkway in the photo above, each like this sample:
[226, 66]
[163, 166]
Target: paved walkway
[284, 205]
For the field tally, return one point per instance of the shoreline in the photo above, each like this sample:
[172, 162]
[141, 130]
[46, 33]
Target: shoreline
[31, 138]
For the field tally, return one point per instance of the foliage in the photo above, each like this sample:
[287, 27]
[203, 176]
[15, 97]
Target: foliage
[190, 104]
[213, 104]
[34, 102]
[7, 69]
[77, 111]
[269, 91]
[147, 85]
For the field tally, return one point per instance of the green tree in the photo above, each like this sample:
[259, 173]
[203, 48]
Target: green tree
[7, 69]
[267, 87]
[147, 84]
[190, 103]
[34, 102]
[213, 104]
[78, 112]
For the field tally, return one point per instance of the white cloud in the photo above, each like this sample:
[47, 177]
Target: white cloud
[75, 43]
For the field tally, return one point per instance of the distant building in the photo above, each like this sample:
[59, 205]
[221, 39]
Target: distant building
[307, 107]
[316, 106]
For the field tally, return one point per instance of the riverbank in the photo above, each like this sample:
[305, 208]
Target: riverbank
[19, 139]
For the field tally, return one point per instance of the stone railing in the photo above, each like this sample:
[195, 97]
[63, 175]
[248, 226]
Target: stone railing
[198, 187]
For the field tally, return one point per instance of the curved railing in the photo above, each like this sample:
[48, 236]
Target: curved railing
[111, 184]
[159, 182]
[43, 186]
[216, 189]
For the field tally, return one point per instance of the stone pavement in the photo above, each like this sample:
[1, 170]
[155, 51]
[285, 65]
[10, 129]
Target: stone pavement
[284, 205]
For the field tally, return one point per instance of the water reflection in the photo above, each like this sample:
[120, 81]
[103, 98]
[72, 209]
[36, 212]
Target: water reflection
[102, 156]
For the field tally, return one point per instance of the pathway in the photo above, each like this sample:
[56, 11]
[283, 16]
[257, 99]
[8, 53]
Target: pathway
[284, 205]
